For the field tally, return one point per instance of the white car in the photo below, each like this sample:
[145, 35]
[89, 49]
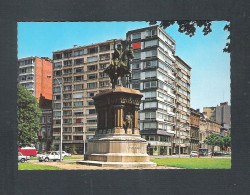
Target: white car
[64, 153]
[50, 156]
[193, 154]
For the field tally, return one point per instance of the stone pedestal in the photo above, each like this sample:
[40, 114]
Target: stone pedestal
[117, 141]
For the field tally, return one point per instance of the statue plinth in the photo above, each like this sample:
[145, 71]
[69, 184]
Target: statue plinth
[117, 141]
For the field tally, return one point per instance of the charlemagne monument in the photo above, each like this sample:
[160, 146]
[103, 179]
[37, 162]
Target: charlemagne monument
[117, 141]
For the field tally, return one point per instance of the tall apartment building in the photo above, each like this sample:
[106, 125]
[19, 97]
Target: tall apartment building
[182, 128]
[33, 73]
[153, 74]
[223, 115]
[80, 71]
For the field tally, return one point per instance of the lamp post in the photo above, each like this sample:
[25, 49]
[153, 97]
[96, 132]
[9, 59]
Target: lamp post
[60, 148]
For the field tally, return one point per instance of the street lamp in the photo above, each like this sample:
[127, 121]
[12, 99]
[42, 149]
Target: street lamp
[60, 148]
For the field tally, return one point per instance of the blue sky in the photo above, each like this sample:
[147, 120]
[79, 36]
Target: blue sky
[210, 74]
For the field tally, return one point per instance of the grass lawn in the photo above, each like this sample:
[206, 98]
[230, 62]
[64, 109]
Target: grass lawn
[71, 158]
[194, 163]
[29, 166]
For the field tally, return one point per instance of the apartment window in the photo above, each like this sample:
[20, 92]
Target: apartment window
[67, 129]
[43, 119]
[78, 53]
[67, 88]
[91, 94]
[92, 120]
[57, 64]
[165, 58]
[78, 129]
[104, 48]
[48, 132]
[104, 57]
[150, 105]
[78, 112]
[150, 125]
[78, 95]
[150, 74]
[149, 64]
[67, 80]
[78, 137]
[49, 119]
[67, 104]
[56, 89]
[103, 84]
[78, 70]
[165, 47]
[57, 56]
[67, 54]
[151, 32]
[150, 115]
[137, 55]
[78, 78]
[92, 59]
[91, 111]
[103, 75]
[102, 66]
[78, 61]
[151, 53]
[92, 68]
[78, 104]
[56, 113]
[150, 94]
[78, 87]
[92, 76]
[56, 97]
[151, 43]
[136, 36]
[91, 85]
[92, 50]
[57, 122]
[90, 129]
[67, 71]
[58, 73]
[90, 103]
[150, 84]
[136, 85]
[136, 75]
[57, 81]
[57, 105]
[135, 66]
[67, 113]
[67, 63]
[67, 96]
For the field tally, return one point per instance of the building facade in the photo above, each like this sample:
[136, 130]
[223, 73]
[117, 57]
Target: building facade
[80, 71]
[210, 112]
[182, 127]
[194, 128]
[223, 115]
[153, 74]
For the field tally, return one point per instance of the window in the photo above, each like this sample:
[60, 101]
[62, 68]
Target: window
[104, 57]
[103, 84]
[136, 85]
[92, 76]
[49, 119]
[67, 80]
[56, 113]
[135, 66]
[78, 87]
[67, 88]
[67, 104]
[56, 89]
[57, 56]
[102, 66]
[165, 58]
[67, 129]
[104, 48]
[90, 103]
[67, 71]
[56, 97]
[150, 94]
[67, 63]
[103, 75]
[148, 64]
[150, 84]
[92, 50]
[151, 43]
[78, 70]
[92, 68]
[57, 105]
[91, 94]
[151, 32]
[91, 111]
[150, 105]
[78, 78]
[92, 59]
[91, 85]
[67, 113]
[78, 104]
[150, 115]
[78, 61]
[78, 53]
[57, 81]
[78, 95]
[43, 119]
[150, 54]
[67, 96]
[150, 74]
[67, 54]
[150, 125]
[137, 55]
[136, 36]
[136, 75]
[58, 73]
[57, 64]
[92, 120]
[78, 129]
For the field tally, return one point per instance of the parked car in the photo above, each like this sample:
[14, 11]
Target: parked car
[64, 153]
[22, 158]
[50, 156]
[193, 154]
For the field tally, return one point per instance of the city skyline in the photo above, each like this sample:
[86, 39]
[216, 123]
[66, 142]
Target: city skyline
[210, 74]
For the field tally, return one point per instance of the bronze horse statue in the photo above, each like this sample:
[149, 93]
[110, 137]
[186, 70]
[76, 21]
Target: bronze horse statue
[120, 65]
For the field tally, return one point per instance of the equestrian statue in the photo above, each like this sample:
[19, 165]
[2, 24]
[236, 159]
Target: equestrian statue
[119, 66]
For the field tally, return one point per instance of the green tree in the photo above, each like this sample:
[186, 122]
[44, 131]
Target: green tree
[214, 140]
[28, 116]
[227, 141]
[189, 28]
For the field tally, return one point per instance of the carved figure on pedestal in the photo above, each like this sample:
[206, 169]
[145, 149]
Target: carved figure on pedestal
[127, 124]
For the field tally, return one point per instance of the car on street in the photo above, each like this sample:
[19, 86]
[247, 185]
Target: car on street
[193, 154]
[50, 156]
[22, 158]
[64, 153]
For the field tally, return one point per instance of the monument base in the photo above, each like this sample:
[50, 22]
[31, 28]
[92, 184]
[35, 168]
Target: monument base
[118, 164]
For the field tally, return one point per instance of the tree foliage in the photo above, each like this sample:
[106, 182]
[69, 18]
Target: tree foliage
[28, 116]
[216, 140]
[227, 141]
[189, 28]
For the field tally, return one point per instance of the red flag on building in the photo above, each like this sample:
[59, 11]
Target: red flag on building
[136, 45]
